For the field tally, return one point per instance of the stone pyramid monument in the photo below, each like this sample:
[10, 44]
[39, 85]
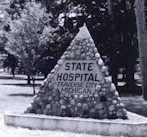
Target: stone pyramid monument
[79, 85]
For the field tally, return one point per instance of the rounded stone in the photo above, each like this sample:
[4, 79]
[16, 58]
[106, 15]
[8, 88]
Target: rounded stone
[32, 102]
[57, 98]
[55, 93]
[88, 99]
[114, 102]
[39, 111]
[94, 102]
[67, 56]
[83, 56]
[37, 99]
[45, 111]
[29, 107]
[50, 85]
[45, 98]
[91, 50]
[120, 106]
[69, 48]
[97, 55]
[116, 94]
[55, 86]
[79, 47]
[98, 87]
[87, 49]
[112, 88]
[72, 102]
[119, 99]
[76, 97]
[68, 95]
[99, 106]
[100, 93]
[72, 42]
[103, 69]
[61, 95]
[108, 103]
[91, 41]
[88, 58]
[63, 57]
[79, 104]
[62, 101]
[35, 96]
[72, 110]
[120, 114]
[53, 71]
[75, 46]
[103, 89]
[108, 80]
[92, 110]
[72, 55]
[90, 104]
[100, 62]
[95, 50]
[103, 93]
[81, 96]
[63, 106]
[50, 98]
[60, 62]
[68, 105]
[92, 45]
[48, 106]
[125, 112]
[42, 90]
[91, 55]
[85, 106]
[65, 53]
[111, 108]
[56, 66]
[102, 81]
[49, 76]
[96, 95]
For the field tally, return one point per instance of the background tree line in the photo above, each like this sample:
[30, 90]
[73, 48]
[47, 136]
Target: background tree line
[39, 32]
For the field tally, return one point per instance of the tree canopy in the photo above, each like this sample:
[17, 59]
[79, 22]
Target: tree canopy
[54, 32]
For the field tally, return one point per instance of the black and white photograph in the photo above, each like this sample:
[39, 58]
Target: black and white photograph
[73, 68]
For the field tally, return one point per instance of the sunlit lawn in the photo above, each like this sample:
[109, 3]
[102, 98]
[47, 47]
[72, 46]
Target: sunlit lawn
[15, 94]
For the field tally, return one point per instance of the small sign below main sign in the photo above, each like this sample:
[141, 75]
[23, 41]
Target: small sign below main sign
[78, 77]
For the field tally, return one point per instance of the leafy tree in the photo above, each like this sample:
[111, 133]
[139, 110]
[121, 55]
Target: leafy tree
[25, 37]
[95, 14]
[4, 27]
[69, 15]
[142, 41]
[11, 62]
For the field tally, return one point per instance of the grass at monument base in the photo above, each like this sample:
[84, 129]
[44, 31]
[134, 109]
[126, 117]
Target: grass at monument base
[135, 125]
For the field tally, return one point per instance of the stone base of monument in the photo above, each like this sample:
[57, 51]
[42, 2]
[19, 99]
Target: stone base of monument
[135, 126]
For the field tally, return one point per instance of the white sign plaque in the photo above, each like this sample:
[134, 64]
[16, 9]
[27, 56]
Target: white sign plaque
[78, 77]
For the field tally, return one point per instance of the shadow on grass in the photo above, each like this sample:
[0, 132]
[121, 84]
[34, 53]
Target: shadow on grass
[22, 85]
[18, 78]
[11, 77]
[21, 95]
[127, 90]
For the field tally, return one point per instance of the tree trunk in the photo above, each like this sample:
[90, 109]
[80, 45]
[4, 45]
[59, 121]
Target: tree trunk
[130, 61]
[113, 57]
[29, 79]
[142, 42]
[33, 78]
[129, 54]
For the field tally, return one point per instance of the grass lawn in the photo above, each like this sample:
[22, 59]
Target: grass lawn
[15, 94]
